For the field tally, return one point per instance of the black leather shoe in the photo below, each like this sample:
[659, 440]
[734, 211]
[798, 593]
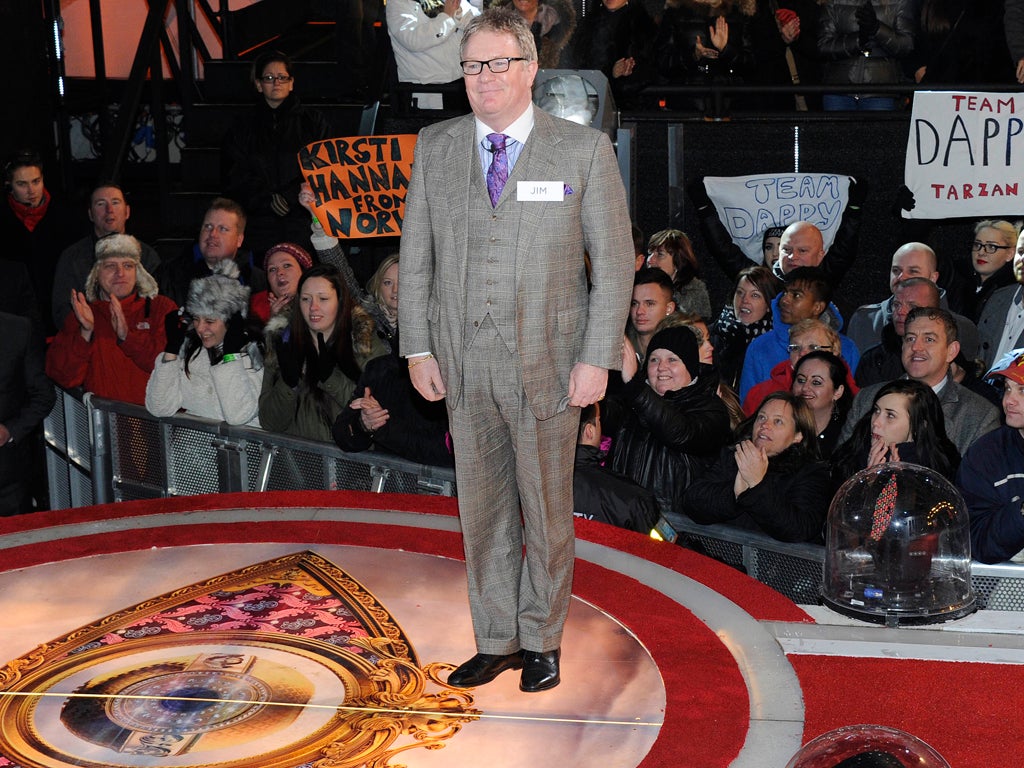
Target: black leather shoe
[540, 671]
[483, 668]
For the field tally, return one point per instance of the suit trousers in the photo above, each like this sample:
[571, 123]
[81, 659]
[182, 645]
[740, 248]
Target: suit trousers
[514, 476]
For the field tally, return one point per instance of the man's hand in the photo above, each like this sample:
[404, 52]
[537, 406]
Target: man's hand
[623, 67]
[83, 313]
[1020, 71]
[451, 7]
[587, 384]
[117, 319]
[426, 377]
[5, 434]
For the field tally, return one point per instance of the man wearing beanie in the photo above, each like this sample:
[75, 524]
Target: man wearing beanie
[210, 367]
[675, 424]
[220, 239]
[116, 328]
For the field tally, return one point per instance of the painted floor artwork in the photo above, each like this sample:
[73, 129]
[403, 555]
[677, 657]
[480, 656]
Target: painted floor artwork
[291, 662]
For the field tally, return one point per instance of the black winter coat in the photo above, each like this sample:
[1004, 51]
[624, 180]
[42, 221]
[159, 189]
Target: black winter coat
[608, 497]
[789, 504]
[665, 443]
[840, 47]
[415, 430]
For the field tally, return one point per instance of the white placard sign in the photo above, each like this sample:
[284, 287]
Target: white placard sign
[748, 205]
[965, 155]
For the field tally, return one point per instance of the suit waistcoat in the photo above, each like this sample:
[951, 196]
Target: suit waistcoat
[491, 256]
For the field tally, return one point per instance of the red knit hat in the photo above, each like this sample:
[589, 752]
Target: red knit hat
[297, 252]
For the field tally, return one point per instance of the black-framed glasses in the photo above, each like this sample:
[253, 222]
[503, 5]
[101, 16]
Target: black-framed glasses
[497, 66]
[268, 79]
[989, 248]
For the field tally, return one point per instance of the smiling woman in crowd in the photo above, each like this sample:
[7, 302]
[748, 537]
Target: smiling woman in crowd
[674, 423]
[771, 480]
[313, 363]
[212, 366]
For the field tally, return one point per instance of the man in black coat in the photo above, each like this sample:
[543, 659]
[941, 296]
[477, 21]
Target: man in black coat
[602, 495]
[26, 397]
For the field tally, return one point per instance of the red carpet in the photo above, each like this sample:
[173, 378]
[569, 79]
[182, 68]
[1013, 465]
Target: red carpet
[968, 712]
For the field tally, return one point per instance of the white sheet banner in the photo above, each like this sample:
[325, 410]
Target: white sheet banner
[965, 155]
[748, 205]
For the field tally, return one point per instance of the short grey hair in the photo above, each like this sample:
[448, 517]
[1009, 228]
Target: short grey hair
[502, 21]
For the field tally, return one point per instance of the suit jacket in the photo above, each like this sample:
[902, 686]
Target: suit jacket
[992, 323]
[558, 323]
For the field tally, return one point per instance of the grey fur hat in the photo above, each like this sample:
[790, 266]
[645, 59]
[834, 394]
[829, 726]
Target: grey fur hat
[220, 295]
[120, 246]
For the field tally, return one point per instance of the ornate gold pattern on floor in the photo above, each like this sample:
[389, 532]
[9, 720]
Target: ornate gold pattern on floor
[289, 663]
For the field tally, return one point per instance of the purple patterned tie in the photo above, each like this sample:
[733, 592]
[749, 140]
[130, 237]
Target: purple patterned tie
[497, 174]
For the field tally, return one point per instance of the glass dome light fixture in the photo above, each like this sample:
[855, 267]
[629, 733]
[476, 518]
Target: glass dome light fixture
[898, 548]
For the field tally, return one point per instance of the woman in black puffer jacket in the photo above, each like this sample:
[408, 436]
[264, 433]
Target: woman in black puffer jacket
[675, 424]
[772, 480]
[864, 42]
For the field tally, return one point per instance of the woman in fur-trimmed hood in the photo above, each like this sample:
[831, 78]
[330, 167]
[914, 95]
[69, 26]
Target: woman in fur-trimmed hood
[314, 361]
[552, 23]
[212, 365]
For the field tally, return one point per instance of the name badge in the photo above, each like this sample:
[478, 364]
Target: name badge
[540, 190]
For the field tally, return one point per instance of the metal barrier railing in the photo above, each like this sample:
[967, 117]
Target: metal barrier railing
[100, 451]
[797, 570]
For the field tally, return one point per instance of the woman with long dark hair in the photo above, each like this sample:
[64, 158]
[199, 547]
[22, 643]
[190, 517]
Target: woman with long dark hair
[313, 364]
[771, 480]
[905, 423]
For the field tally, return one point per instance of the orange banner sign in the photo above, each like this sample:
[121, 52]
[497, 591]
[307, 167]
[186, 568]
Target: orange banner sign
[359, 183]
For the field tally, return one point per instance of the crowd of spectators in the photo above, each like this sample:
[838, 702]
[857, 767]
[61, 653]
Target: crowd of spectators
[641, 46]
[752, 413]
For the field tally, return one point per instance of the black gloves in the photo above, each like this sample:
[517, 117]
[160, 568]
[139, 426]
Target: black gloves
[699, 195]
[857, 193]
[175, 329]
[236, 339]
[904, 200]
[287, 363]
[867, 23]
[326, 362]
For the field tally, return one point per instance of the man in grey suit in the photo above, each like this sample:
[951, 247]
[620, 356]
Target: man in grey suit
[496, 317]
[929, 346]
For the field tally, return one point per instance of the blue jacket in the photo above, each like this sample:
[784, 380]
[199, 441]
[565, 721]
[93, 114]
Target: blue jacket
[991, 479]
[770, 349]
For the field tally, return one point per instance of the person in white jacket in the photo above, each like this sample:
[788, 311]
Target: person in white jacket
[212, 367]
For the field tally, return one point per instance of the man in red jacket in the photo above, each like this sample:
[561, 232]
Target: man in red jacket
[110, 341]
